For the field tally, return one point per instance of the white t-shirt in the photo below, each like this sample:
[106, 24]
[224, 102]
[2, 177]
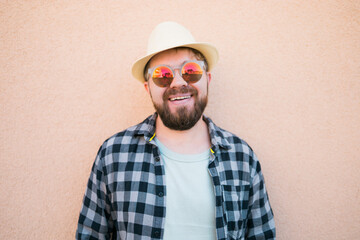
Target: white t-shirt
[190, 198]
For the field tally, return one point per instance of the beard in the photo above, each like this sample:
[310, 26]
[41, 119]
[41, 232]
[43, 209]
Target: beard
[183, 118]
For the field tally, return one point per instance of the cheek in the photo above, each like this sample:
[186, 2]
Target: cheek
[202, 88]
[156, 93]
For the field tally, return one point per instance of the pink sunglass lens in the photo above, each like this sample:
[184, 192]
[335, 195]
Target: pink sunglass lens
[192, 72]
[162, 76]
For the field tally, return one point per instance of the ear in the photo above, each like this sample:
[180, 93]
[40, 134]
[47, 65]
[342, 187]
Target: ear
[208, 76]
[146, 86]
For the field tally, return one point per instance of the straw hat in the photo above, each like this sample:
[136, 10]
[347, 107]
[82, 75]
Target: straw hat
[169, 35]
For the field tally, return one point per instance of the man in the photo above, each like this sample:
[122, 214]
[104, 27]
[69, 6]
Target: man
[176, 175]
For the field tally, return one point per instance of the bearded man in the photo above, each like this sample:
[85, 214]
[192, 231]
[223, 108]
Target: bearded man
[176, 175]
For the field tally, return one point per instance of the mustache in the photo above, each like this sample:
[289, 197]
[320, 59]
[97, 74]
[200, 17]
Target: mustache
[182, 89]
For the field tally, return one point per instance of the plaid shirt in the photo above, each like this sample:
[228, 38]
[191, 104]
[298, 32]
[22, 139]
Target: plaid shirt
[126, 192]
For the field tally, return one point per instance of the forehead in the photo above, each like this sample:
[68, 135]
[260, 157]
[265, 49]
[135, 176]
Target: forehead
[172, 57]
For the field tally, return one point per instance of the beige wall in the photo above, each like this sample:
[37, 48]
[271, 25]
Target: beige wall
[287, 82]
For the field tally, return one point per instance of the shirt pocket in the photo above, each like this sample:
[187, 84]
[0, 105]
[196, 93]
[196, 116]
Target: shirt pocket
[235, 204]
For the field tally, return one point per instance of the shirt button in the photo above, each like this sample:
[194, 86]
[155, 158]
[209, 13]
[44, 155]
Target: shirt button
[157, 234]
[160, 194]
[157, 159]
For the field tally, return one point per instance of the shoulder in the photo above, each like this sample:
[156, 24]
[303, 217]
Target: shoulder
[237, 144]
[125, 140]
[234, 152]
[241, 148]
[227, 140]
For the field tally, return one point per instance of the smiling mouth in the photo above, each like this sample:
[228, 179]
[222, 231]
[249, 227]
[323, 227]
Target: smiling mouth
[179, 98]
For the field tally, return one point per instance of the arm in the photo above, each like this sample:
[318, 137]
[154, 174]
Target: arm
[95, 220]
[260, 224]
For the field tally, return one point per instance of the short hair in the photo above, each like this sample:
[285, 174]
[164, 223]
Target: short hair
[199, 56]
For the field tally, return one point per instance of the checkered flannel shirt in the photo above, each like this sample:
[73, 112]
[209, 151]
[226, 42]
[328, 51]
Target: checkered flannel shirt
[126, 192]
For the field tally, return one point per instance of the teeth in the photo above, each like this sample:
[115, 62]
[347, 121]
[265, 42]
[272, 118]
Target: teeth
[179, 98]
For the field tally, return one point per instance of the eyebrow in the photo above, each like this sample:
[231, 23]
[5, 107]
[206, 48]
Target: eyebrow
[178, 65]
[181, 63]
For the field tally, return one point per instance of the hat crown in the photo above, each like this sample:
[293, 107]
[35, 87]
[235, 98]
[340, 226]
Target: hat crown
[168, 35]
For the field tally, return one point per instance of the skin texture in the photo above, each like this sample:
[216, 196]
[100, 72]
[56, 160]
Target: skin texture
[196, 138]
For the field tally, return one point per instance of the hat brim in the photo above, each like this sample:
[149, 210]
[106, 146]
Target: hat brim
[208, 50]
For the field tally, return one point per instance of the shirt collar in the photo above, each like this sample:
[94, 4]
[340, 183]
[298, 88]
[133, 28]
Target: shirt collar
[216, 134]
[147, 129]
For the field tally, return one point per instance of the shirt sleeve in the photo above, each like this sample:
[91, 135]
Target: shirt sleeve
[95, 219]
[260, 224]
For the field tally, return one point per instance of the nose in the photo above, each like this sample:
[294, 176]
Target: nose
[178, 81]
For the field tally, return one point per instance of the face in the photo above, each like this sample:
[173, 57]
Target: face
[180, 105]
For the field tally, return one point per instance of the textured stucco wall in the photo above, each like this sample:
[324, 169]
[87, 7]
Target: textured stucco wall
[287, 82]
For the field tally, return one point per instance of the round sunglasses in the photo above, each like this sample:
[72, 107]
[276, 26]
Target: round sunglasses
[190, 71]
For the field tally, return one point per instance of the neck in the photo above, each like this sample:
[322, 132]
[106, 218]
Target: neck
[192, 141]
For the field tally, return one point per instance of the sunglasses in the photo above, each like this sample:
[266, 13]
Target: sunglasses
[190, 71]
